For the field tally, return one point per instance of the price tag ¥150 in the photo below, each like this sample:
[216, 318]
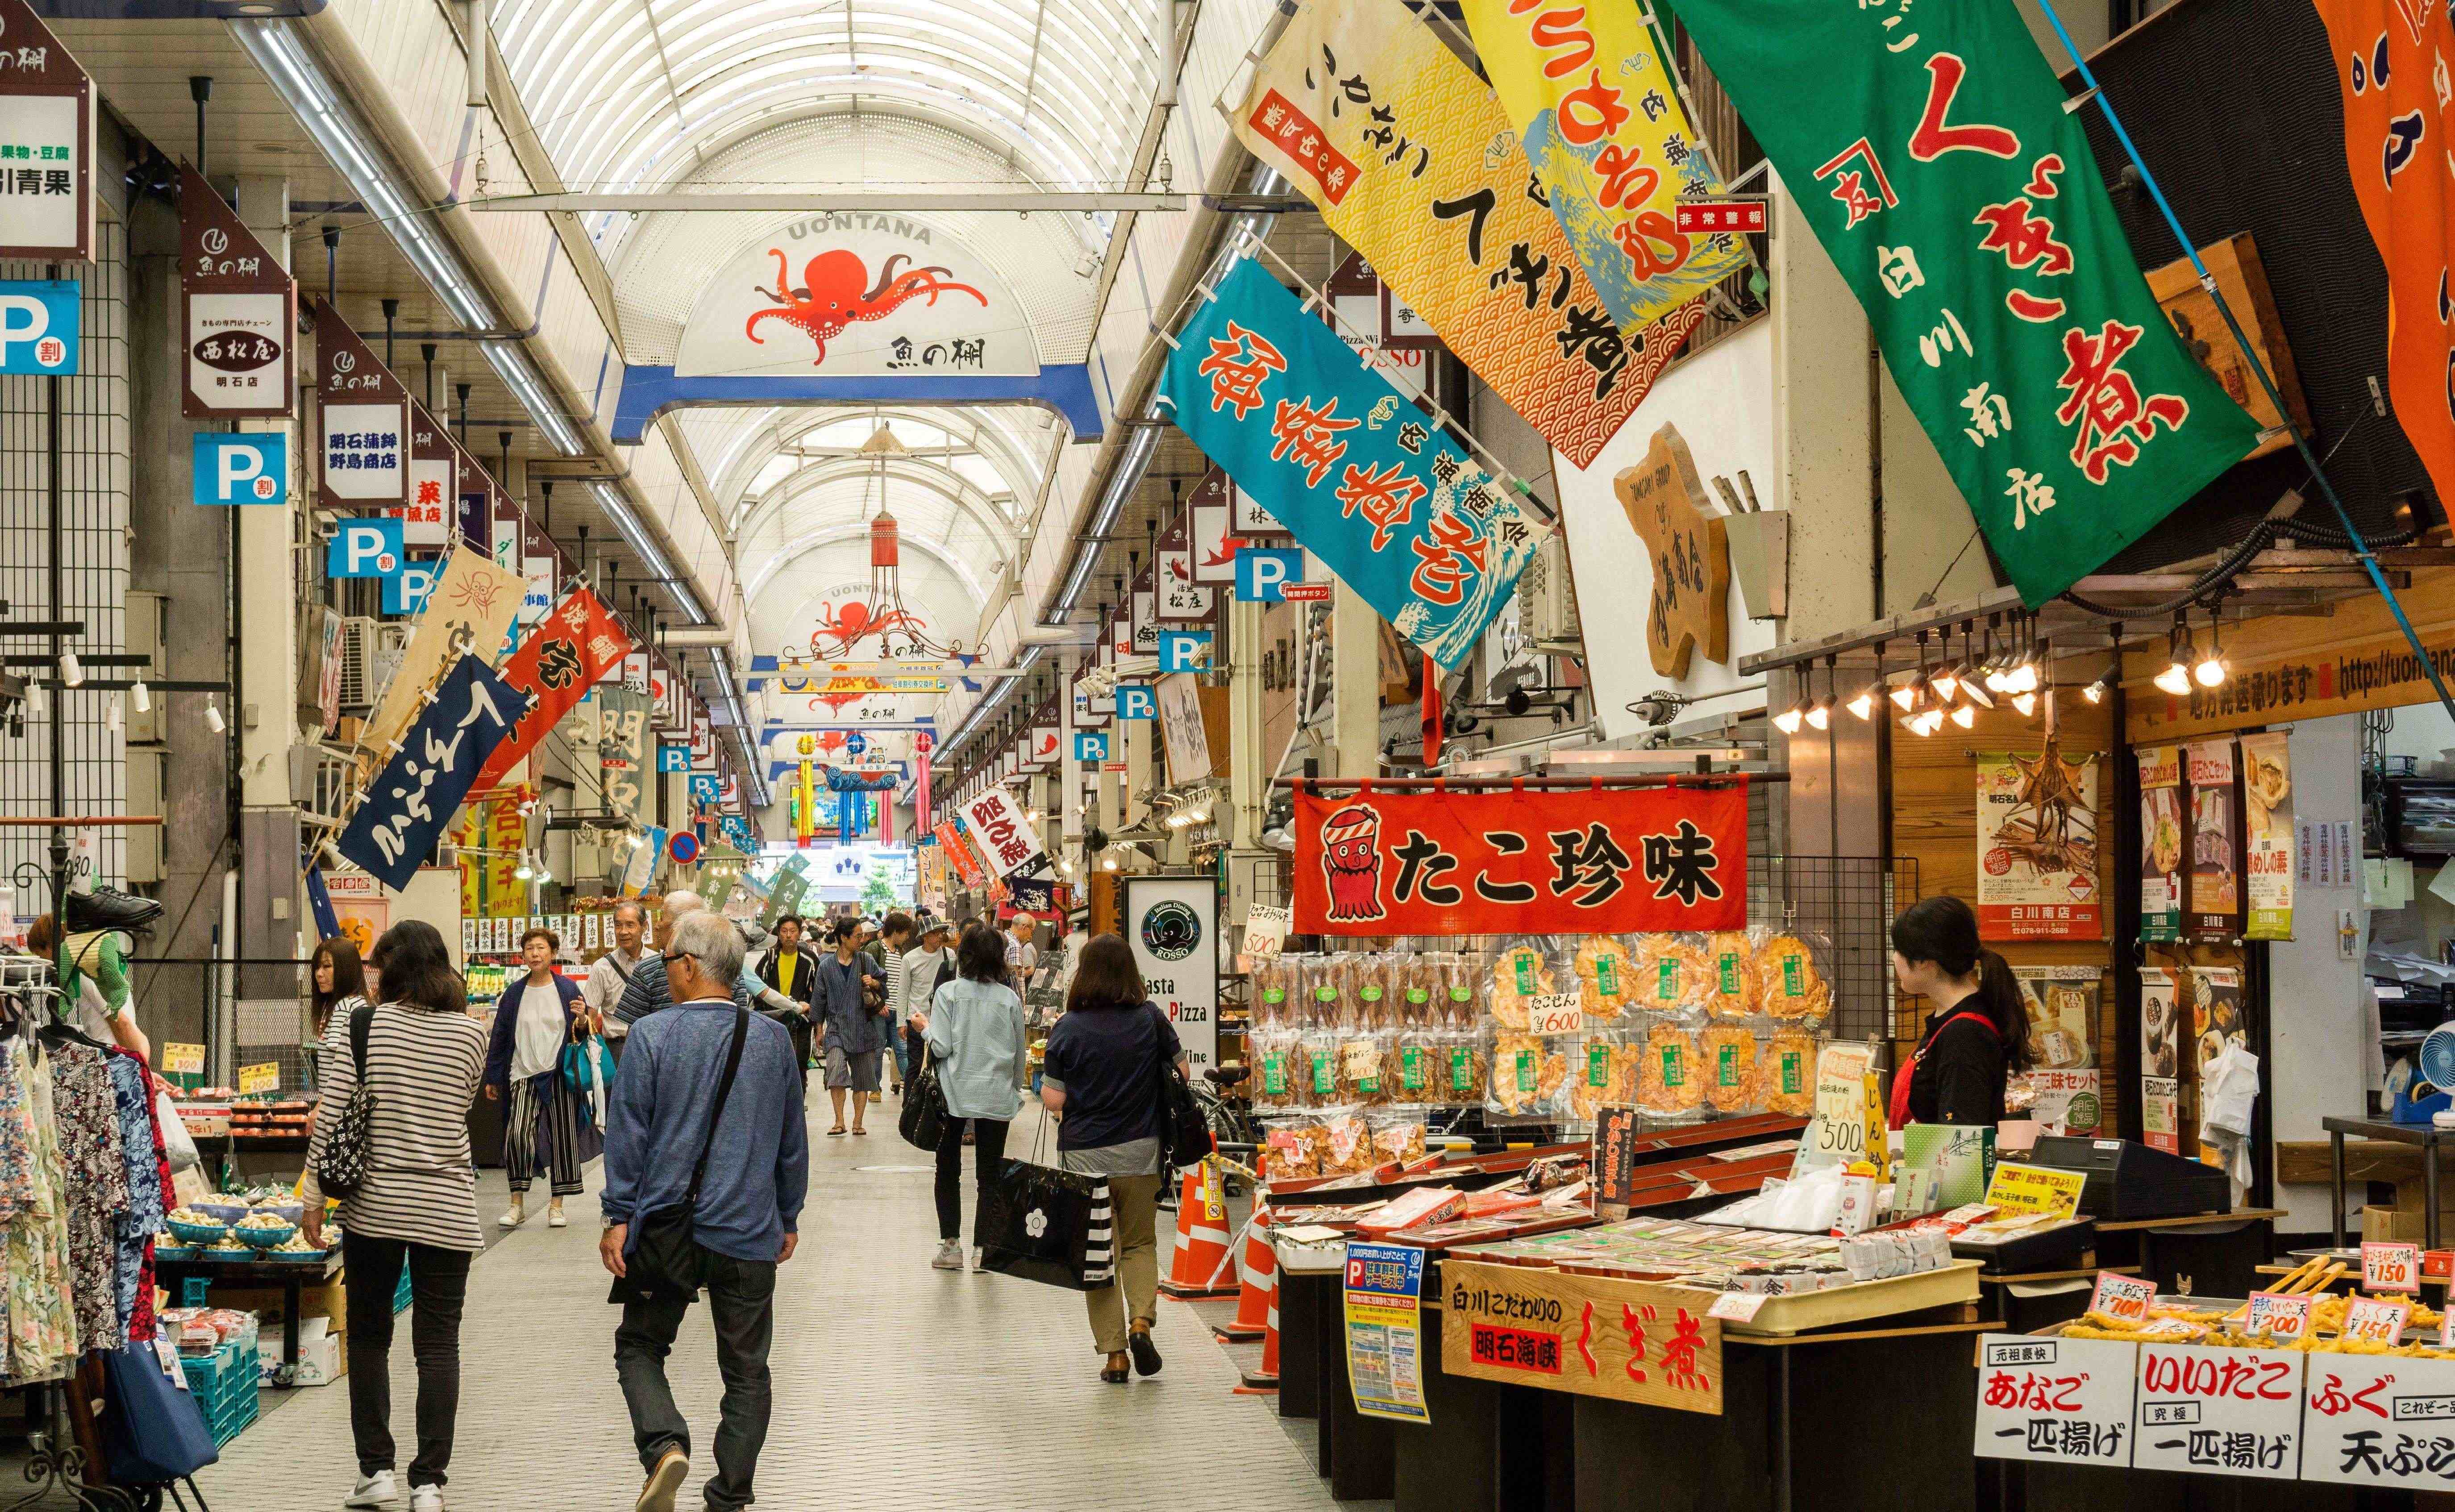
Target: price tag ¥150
[2374, 1321]
[2391, 1267]
[2126, 1298]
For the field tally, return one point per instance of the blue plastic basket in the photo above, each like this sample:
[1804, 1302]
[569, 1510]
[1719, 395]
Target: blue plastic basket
[198, 1233]
[224, 1383]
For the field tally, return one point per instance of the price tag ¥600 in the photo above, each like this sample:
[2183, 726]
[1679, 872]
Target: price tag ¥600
[1555, 1013]
[2374, 1321]
[2391, 1267]
[2281, 1317]
[2126, 1298]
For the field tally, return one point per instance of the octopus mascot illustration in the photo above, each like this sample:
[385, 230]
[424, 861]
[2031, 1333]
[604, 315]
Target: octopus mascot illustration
[831, 297]
[1350, 862]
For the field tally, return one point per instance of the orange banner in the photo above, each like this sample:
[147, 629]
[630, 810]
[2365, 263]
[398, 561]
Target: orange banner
[2391, 59]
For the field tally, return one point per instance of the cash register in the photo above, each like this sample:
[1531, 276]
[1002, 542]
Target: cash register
[2127, 1179]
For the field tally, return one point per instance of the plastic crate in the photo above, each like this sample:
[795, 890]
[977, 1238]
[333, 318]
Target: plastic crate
[224, 1385]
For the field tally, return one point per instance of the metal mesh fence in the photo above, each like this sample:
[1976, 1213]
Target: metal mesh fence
[1849, 901]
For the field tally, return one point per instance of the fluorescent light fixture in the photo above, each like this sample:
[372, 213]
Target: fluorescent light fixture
[636, 534]
[1121, 483]
[513, 366]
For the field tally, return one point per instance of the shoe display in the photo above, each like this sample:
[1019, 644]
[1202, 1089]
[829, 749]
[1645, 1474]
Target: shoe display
[950, 1257]
[375, 1490]
[108, 908]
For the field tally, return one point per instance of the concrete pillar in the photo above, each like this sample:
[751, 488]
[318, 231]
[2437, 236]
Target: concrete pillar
[1355, 685]
[1248, 760]
[1069, 824]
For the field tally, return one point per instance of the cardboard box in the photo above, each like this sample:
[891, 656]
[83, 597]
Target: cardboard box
[323, 1355]
[327, 1299]
[2402, 1225]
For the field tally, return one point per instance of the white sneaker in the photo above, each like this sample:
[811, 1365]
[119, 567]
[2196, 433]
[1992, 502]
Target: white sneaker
[426, 1499]
[977, 1267]
[553, 1218]
[511, 1217]
[375, 1490]
[950, 1257]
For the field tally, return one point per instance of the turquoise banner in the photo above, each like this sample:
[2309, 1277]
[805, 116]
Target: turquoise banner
[1350, 465]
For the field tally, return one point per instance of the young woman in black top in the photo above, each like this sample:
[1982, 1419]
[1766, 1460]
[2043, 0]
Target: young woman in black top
[1978, 1033]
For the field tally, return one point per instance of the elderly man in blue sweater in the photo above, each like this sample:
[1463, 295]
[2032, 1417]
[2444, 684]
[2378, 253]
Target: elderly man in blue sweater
[744, 1222]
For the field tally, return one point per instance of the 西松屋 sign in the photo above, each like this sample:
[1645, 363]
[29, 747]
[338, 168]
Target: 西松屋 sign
[242, 313]
[1509, 862]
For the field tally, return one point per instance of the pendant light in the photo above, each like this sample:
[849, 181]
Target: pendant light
[2210, 672]
[1973, 685]
[1819, 714]
[1905, 697]
[2176, 679]
[1863, 706]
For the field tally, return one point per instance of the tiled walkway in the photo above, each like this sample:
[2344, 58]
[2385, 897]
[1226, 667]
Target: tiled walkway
[895, 1384]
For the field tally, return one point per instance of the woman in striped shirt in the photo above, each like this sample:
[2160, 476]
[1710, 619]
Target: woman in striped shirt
[417, 1206]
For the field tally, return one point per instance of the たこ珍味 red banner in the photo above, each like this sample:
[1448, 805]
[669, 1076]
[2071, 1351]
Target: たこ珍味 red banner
[1605, 861]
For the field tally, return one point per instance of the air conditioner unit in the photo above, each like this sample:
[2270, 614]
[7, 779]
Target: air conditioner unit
[370, 652]
[1546, 597]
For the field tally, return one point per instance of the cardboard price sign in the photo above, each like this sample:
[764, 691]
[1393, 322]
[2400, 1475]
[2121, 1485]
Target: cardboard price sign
[2390, 1267]
[264, 1077]
[1838, 1134]
[2036, 1189]
[2220, 1411]
[1596, 1337]
[1555, 1013]
[182, 1061]
[2281, 1317]
[2056, 1398]
[2126, 1298]
[2373, 1322]
[2368, 1420]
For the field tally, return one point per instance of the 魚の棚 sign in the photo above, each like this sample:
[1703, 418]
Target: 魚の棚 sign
[1620, 860]
[242, 313]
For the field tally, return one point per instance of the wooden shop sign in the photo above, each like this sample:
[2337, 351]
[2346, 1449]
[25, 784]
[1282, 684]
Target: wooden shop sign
[1591, 1334]
[2291, 667]
[1690, 604]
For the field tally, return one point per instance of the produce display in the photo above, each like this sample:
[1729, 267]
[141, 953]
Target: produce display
[1547, 1028]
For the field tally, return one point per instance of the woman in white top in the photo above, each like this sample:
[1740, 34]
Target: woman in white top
[340, 989]
[544, 1127]
[416, 1207]
[974, 1026]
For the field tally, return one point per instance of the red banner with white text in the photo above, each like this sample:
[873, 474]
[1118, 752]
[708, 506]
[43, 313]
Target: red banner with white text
[569, 650]
[1502, 861]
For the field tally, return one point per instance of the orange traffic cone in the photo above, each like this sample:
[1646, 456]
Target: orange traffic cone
[1265, 1381]
[1256, 1273]
[1199, 1266]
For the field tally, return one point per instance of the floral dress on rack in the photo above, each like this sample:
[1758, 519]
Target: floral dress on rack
[95, 1164]
[41, 1342]
[144, 1213]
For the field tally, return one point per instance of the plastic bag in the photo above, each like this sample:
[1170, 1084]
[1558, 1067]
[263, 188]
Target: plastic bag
[1274, 978]
[1467, 1057]
[1671, 1081]
[1275, 1069]
[1398, 1132]
[1523, 967]
[1602, 1071]
[1529, 1075]
[1730, 1054]
[1731, 957]
[1346, 1143]
[1607, 976]
[1673, 974]
[1294, 1142]
[1792, 977]
[176, 1143]
[1786, 1072]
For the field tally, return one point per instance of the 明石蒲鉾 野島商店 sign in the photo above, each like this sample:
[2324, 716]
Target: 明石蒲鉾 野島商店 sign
[1935, 154]
[1504, 861]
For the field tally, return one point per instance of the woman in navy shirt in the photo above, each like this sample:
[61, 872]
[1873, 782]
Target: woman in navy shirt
[1100, 1077]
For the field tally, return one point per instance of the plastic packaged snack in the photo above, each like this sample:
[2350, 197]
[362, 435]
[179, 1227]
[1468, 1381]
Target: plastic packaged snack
[1317, 1061]
[1671, 1081]
[1363, 1066]
[1786, 1073]
[1528, 1075]
[1602, 1071]
[1461, 990]
[1294, 1142]
[1730, 1052]
[1731, 959]
[1422, 998]
[1466, 1067]
[1330, 990]
[1397, 1132]
[1519, 969]
[1417, 1066]
[1377, 989]
[1788, 983]
[1277, 1076]
[1346, 1142]
[1275, 979]
[1605, 977]
[1673, 972]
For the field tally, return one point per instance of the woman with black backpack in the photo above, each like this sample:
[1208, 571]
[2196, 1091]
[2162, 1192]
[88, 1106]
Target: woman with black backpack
[412, 1200]
[1100, 1076]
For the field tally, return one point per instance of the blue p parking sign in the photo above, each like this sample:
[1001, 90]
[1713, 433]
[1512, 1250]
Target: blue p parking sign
[1091, 745]
[365, 548]
[1134, 701]
[40, 322]
[252, 466]
[1263, 572]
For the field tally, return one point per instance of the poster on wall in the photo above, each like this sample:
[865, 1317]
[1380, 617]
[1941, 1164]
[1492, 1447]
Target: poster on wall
[2036, 846]
[2062, 1009]
[2267, 834]
[2160, 843]
[1172, 924]
[2215, 996]
[2216, 842]
[2160, 1058]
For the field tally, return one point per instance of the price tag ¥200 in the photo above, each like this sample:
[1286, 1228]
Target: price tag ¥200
[2391, 1267]
[1555, 1013]
[2375, 1322]
[2281, 1317]
[2124, 1299]
[1737, 1307]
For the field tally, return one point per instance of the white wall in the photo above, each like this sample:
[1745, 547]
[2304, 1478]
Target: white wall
[1722, 404]
[2316, 1031]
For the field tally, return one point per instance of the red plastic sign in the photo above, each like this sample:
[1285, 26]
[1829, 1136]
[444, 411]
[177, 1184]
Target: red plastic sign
[1708, 216]
[1588, 860]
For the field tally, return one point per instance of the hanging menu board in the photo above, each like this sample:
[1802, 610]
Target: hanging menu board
[2267, 834]
[2160, 1056]
[2162, 834]
[2216, 842]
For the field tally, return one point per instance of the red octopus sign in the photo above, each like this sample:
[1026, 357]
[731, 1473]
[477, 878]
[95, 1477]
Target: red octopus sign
[1435, 861]
[830, 296]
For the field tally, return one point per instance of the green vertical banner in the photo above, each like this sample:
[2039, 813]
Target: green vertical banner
[785, 891]
[1930, 150]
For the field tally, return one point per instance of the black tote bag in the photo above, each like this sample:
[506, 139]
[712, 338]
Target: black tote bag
[922, 1123]
[1049, 1226]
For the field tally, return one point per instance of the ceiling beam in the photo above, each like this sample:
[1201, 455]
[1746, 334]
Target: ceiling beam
[883, 201]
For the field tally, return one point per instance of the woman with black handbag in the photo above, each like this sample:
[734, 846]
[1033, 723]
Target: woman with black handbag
[973, 1027]
[1098, 1077]
[411, 1201]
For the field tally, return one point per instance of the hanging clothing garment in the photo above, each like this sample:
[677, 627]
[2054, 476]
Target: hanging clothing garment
[96, 1171]
[17, 1192]
[41, 1342]
[133, 1103]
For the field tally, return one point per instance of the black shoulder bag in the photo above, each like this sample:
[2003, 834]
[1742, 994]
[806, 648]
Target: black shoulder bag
[349, 1145]
[665, 1263]
[1184, 1134]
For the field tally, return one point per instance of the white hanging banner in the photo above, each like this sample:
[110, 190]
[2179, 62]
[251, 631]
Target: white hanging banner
[1172, 924]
